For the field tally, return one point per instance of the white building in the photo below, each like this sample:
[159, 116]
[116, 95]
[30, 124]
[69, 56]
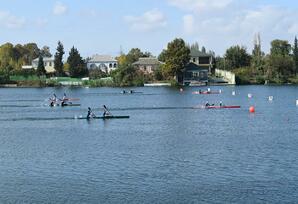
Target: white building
[48, 64]
[106, 63]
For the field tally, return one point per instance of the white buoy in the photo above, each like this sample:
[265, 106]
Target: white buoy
[296, 102]
[249, 95]
[270, 98]
[209, 89]
[233, 93]
[219, 90]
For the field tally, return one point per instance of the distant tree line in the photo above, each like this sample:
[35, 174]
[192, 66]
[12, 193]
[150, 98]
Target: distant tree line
[279, 66]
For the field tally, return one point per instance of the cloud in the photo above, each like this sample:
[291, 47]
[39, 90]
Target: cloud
[149, 21]
[41, 22]
[236, 23]
[11, 21]
[188, 23]
[200, 5]
[59, 8]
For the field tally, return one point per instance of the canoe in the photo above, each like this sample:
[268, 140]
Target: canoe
[68, 104]
[219, 107]
[105, 117]
[206, 92]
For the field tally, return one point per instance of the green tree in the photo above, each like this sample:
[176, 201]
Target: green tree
[177, 57]
[195, 46]
[236, 57]
[32, 52]
[40, 68]
[280, 47]
[45, 51]
[58, 64]
[257, 61]
[133, 55]
[203, 49]
[77, 67]
[295, 55]
[162, 56]
[279, 64]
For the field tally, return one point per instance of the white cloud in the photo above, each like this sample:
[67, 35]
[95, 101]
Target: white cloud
[59, 8]
[149, 21]
[200, 5]
[41, 22]
[188, 23]
[236, 23]
[11, 21]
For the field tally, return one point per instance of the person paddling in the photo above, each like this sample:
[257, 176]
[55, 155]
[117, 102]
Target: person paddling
[90, 114]
[106, 112]
[53, 100]
[64, 100]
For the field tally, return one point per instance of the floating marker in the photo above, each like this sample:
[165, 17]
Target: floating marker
[219, 90]
[296, 102]
[270, 98]
[209, 89]
[181, 89]
[249, 95]
[233, 93]
[252, 109]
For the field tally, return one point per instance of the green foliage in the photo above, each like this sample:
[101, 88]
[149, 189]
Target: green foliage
[40, 68]
[77, 67]
[45, 51]
[177, 57]
[236, 57]
[162, 56]
[280, 47]
[58, 64]
[104, 82]
[134, 54]
[96, 74]
[295, 56]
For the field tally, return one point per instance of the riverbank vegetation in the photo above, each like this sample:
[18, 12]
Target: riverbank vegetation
[279, 66]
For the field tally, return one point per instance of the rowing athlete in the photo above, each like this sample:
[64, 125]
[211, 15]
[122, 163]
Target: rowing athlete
[220, 104]
[207, 104]
[90, 114]
[53, 100]
[64, 100]
[106, 112]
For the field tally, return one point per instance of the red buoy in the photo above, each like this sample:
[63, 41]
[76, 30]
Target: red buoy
[252, 109]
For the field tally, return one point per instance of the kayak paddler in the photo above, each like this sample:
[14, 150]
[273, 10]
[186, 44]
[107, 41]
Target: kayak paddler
[53, 100]
[106, 112]
[90, 114]
[207, 104]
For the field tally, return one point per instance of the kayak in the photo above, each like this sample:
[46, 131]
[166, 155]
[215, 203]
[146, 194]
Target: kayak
[219, 107]
[206, 92]
[68, 104]
[104, 117]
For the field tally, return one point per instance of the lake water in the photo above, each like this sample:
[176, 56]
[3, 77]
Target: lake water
[166, 152]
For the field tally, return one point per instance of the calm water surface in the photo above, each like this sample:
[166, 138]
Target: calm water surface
[167, 152]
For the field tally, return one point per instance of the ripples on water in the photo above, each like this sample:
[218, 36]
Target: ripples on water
[167, 152]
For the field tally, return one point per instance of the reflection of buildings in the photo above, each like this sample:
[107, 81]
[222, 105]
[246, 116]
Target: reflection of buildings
[147, 64]
[48, 64]
[105, 63]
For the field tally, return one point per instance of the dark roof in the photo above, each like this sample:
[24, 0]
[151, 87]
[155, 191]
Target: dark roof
[194, 67]
[197, 53]
[147, 61]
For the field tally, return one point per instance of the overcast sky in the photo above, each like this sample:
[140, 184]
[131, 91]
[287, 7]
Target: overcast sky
[103, 26]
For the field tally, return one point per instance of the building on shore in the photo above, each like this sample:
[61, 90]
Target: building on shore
[198, 69]
[147, 64]
[48, 65]
[105, 63]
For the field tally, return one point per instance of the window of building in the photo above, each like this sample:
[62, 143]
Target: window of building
[115, 65]
[110, 65]
[194, 59]
[204, 60]
[50, 64]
